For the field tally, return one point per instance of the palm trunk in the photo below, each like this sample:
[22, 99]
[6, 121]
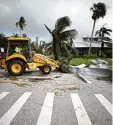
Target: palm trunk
[68, 54]
[20, 32]
[102, 46]
[92, 37]
[55, 49]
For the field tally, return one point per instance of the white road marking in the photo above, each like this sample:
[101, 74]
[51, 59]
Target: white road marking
[3, 94]
[11, 113]
[108, 106]
[46, 112]
[81, 114]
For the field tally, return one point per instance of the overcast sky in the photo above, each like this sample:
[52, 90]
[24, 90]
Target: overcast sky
[40, 12]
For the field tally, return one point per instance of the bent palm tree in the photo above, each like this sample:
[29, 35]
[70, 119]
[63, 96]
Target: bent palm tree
[99, 10]
[102, 32]
[21, 24]
[59, 35]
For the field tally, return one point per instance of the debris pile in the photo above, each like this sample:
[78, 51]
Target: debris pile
[99, 64]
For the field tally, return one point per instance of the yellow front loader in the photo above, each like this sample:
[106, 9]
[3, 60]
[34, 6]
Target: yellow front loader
[17, 62]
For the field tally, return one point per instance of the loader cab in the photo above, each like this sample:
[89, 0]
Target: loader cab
[20, 43]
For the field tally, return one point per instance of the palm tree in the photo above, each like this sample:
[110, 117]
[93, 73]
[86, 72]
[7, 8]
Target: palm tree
[3, 41]
[101, 33]
[48, 48]
[59, 36]
[66, 48]
[99, 10]
[2, 36]
[21, 24]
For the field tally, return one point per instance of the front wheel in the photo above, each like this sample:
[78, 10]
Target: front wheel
[46, 69]
[16, 67]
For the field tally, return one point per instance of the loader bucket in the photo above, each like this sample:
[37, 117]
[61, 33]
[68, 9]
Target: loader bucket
[64, 67]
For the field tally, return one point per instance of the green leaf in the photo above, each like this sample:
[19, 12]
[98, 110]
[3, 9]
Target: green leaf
[48, 29]
[69, 34]
[62, 23]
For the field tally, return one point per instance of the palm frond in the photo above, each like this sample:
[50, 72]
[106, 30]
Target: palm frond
[47, 45]
[17, 24]
[3, 38]
[97, 33]
[102, 8]
[103, 29]
[99, 10]
[22, 20]
[62, 23]
[107, 33]
[21, 26]
[92, 9]
[69, 34]
[109, 30]
[104, 25]
[69, 47]
[2, 35]
[48, 29]
[95, 6]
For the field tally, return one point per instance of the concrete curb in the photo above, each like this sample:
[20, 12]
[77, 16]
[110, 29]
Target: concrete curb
[83, 78]
[76, 70]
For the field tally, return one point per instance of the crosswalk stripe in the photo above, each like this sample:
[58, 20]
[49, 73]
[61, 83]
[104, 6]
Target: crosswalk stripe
[46, 112]
[11, 113]
[81, 114]
[108, 106]
[3, 94]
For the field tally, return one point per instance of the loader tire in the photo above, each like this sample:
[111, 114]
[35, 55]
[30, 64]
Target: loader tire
[40, 67]
[16, 67]
[64, 67]
[46, 69]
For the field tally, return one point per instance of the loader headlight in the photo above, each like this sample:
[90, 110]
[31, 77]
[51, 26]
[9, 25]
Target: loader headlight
[2, 50]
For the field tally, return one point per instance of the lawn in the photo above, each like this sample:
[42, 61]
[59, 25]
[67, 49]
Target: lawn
[78, 61]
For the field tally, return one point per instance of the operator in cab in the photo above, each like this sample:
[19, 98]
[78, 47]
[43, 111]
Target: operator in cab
[18, 49]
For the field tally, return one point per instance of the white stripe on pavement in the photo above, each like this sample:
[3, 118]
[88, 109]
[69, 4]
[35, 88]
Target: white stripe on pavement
[108, 106]
[3, 94]
[81, 114]
[46, 112]
[11, 113]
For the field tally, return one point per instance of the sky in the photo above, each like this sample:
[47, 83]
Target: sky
[40, 12]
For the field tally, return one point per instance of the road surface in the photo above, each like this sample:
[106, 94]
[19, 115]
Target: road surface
[66, 100]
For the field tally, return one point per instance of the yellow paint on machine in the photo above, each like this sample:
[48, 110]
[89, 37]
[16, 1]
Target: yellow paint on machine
[18, 38]
[16, 55]
[32, 66]
[38, 58]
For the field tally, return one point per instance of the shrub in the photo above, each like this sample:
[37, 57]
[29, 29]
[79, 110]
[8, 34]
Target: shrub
[108, 53]
[93, 56]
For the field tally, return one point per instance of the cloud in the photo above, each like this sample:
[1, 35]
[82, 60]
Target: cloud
[37, 13]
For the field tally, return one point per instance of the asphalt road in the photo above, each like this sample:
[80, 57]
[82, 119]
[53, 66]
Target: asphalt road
[65, 100]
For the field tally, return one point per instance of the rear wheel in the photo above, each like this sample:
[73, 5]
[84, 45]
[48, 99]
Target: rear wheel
[46, 69]
[16, 67]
